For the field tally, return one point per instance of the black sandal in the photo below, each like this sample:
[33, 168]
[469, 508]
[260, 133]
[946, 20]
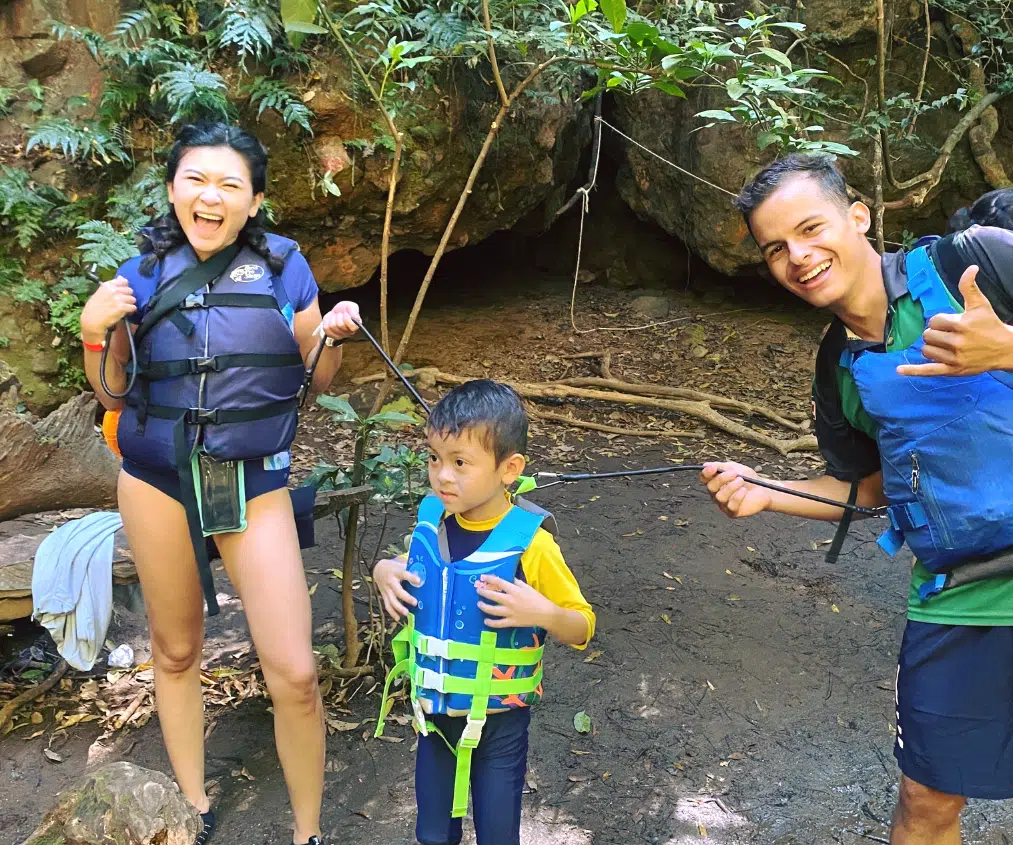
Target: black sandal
[207, 828]
[313, 840]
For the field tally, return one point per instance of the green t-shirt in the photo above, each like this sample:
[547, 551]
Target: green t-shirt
[988, 602]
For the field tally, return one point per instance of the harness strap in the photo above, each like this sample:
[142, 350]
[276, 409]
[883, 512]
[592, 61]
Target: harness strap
[158, 370]
[472, 733]
[842, 527]
[451, 650]
[193, 522]
[427, 679]
[925, 285]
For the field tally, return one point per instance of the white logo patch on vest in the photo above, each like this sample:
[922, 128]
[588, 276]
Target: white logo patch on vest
[247, 273]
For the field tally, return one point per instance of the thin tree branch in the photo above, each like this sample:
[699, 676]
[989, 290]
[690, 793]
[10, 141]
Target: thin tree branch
[449, 230]
[925, 68]
[492, 53]
[385, 242]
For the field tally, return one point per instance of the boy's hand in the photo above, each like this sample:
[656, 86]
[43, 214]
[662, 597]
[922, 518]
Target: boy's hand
[517, 605]
[388, 575]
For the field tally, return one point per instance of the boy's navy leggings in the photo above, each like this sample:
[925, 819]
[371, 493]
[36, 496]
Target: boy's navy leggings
[497, 780]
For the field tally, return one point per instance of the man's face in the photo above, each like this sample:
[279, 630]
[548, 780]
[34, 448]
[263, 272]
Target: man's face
[813, 246]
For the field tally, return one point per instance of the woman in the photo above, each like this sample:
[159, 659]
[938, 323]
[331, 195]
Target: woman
[210, 417]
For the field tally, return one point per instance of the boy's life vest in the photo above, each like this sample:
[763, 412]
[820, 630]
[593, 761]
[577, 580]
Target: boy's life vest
[456, 665]
[944, 442]
[218, 367]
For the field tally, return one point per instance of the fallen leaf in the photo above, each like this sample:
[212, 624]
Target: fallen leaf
[313, 589]
[594, 655]
[530, 784]
[579, 778]
[670, 577]
[723, 764]
[338, 725]
[579, 752]
[834, 608]
[728, 572]
[701, 829]
[750, 548]
[582, 722]
[594, 498]
[733, 597]
[242, 773]
[36, 718]
[35, 735]
[606, 776]
[665, 618]
[77, 718]
[663, 518]
[391, 738]
[52, 756]
[710, 686]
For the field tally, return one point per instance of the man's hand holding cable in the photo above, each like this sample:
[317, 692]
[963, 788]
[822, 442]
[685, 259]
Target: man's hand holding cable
[735, 497]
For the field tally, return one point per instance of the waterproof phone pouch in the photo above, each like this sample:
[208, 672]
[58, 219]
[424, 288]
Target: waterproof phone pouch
[221, 494]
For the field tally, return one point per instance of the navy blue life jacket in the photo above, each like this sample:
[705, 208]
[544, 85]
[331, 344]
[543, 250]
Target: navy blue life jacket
[226, 361]
[944, 444]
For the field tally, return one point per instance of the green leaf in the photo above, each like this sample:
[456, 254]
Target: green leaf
[641, 32]
[298, 12]
[343, 412]
[615, 11]
[669, 88]
[765, 139]
[717, 114]
[793, 25]
[393, 419]
[735, 89]
[777, 56]
[582, 722]
[304, 28]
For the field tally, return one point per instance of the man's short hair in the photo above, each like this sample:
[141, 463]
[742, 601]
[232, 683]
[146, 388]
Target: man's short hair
[821, 168]
[492, 410]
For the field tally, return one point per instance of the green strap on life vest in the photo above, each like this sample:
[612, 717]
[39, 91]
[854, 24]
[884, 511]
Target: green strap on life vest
[409, 643]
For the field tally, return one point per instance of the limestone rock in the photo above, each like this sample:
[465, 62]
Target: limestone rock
[120, 804]
[653, 307]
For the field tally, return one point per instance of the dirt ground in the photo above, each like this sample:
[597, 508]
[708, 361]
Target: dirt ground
[740, 689]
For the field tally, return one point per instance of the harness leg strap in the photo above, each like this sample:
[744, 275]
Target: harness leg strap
[842, 527]
[193, 522]
[472, 733]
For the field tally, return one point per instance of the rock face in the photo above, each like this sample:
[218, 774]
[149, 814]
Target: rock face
[121, 804]
[724, 155]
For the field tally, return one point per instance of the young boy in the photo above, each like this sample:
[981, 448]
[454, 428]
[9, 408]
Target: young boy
[485, 584]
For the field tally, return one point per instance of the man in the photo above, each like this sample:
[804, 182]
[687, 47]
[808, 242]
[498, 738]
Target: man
[955, 674]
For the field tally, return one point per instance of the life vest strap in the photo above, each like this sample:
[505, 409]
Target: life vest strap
[427, 679]
[219, 416]
[230, 300]
[452, 650]
[158, 370]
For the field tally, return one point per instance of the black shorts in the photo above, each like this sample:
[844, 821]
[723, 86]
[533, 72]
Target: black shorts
[955, 709]
[258, 479]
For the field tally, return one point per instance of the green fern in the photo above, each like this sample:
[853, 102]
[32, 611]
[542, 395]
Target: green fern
[104, 246]
[120, 98]
[191, 92]
[12, 271]
[274, 94]
[95, 41]
[81, 140]
[25, 207]
[136, 27]
[135, 204]
[248, 26]
[7, 98]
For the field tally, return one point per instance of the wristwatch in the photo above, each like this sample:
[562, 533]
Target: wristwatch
[331, 342]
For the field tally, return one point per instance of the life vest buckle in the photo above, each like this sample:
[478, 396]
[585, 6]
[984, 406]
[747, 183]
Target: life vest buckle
[430, 680]
[203, 365]
[472, 733]
[201, 416]
[194, 300]
[434, 647]
[420, 717]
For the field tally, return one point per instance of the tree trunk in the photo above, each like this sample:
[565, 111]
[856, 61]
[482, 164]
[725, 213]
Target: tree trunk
[54, 463]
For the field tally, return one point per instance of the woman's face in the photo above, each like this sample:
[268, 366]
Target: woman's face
[212, 194]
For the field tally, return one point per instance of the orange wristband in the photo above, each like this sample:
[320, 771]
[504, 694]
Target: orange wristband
[93, 347]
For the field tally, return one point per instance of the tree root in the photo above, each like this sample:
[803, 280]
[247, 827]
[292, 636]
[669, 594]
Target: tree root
[41, 688]
[698, 408]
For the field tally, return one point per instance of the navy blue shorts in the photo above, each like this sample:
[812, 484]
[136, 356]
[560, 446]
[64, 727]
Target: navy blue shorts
[955, 709]
[258, 480]
[497, 780]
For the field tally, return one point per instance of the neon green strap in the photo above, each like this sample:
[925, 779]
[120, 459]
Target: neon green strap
[427, 679]
[481, 687]
[451, 650]
[404, 658]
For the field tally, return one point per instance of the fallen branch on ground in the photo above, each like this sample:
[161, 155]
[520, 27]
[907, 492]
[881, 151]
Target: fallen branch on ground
[535, 414]
[41, 688]
[699, 409]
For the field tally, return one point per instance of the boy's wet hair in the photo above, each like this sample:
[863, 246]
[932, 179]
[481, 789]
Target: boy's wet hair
[822, 169]
[491, 410]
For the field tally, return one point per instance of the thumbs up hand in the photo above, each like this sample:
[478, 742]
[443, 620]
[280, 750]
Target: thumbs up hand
[973, 342]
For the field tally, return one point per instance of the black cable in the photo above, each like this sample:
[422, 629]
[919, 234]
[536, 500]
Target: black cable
[93, 275]
[394, 368]
[812, 497]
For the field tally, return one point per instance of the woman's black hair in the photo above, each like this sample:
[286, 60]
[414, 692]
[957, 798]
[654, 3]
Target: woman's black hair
[166, 233]
[992, 209]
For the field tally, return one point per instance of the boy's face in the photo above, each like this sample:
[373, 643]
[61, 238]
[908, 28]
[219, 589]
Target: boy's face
[463, 471]
[813, 246]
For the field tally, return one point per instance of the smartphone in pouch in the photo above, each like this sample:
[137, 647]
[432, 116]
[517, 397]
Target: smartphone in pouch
[221, 494]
